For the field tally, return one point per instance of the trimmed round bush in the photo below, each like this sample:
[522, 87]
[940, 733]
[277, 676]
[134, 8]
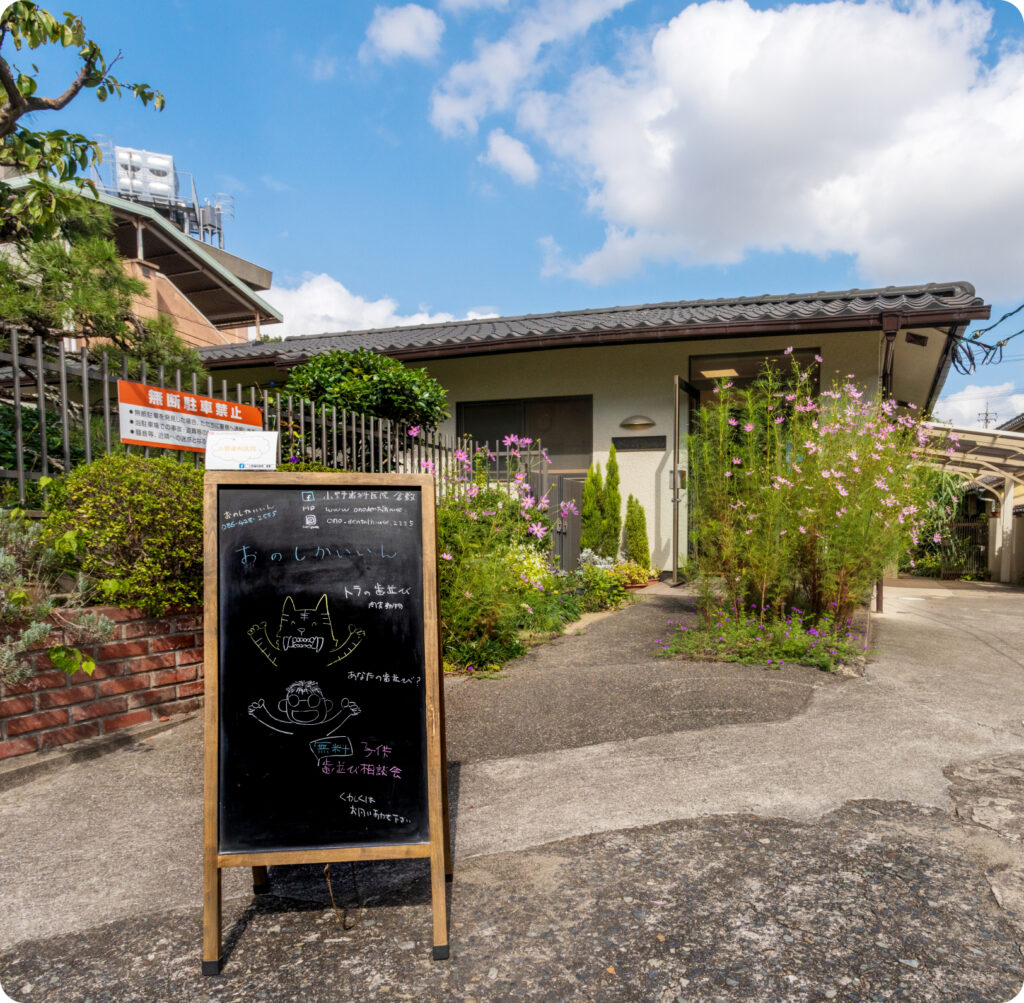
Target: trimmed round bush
[137, 527]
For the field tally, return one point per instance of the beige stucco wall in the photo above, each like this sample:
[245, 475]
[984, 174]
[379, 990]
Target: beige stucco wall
[636, 379]
[163, 298]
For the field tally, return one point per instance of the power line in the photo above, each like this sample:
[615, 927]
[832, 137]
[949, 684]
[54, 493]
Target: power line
[970, 352]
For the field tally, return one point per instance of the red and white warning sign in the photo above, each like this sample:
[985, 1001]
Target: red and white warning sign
[175, 419]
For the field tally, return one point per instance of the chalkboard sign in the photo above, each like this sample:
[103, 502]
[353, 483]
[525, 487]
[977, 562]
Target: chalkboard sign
[324, 711]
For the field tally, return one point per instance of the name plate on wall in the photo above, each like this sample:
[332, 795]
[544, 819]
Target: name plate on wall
[638, 443]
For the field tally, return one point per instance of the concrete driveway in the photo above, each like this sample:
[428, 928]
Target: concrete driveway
[626, 827]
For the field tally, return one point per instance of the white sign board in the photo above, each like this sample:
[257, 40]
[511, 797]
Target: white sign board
[241, 450]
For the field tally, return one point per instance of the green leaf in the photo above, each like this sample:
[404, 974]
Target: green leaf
[71, 660]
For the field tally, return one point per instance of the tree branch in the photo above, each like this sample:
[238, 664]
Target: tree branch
[13, 108]
[55, 104]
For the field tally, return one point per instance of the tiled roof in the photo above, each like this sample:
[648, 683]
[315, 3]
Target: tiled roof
[586, 326]
[1014, 424]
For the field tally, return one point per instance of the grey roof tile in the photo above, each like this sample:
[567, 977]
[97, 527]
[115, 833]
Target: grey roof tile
[750, 309]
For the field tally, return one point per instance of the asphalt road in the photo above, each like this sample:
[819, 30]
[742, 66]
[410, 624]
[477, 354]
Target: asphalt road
[625, 828]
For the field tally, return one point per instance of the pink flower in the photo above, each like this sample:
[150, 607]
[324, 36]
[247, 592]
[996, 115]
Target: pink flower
[414, 430]
[937, 538]
[538, 530]
[525, 441]
[748, 427]
[511, 440]
[429, 467]
[733, 421]
[566, 507]
[736, 461]
[446, 557]
[462, 455]
[788, 351]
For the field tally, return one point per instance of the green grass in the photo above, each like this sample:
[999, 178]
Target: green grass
[764, 638]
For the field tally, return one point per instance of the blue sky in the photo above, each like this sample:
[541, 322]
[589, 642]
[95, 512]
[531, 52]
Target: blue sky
[402, 162]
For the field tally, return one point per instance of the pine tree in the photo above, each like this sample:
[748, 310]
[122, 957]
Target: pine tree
[590, 515]
[611, 509]
[637, 547]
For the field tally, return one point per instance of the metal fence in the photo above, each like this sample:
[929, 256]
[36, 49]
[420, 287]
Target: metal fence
[59, 408]
[966, 550]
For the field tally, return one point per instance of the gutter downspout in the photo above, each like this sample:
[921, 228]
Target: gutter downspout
[891, 323]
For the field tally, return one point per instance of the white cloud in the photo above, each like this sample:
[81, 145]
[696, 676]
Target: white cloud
[490, 82]
[458, 6]
[965, 406]
[511, 156]
[321, 304]
[275, 184]
[554, 258]
[866, 128]
[395, 32]
[323, 67]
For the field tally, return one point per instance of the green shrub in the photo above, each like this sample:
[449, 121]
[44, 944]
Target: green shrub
[637, 548]
[590, 513]
[137, 523]
[631, 573]
[372, 384]
[600, 589]
[32, 590]
[611, 509]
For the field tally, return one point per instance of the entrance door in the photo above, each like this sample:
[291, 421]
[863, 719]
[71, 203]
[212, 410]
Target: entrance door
[566, 543]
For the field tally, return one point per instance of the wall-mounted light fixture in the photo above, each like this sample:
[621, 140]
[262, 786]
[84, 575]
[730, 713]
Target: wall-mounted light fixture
[637, 422]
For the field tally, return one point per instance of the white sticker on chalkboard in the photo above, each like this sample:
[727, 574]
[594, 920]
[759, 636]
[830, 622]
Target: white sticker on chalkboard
[241, 451]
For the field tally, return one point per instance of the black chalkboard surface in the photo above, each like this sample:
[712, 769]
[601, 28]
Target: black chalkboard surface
[324, 709]
[322, 679]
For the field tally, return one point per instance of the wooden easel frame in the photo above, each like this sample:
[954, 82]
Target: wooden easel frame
[438, 848]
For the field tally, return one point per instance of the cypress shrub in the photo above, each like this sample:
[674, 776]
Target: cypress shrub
[590, 514]
[611, 509]
[637, 548]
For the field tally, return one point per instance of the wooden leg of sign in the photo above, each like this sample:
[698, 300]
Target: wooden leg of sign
[444, 776]
[438, 895]
[260, 881]
[211, 914]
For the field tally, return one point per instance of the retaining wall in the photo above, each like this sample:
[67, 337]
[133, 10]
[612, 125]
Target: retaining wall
[151, 668]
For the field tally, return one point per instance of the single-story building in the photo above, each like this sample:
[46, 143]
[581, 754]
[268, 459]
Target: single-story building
[581, 380]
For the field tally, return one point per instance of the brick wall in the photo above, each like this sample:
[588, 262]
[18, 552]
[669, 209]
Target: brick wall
[150, 668]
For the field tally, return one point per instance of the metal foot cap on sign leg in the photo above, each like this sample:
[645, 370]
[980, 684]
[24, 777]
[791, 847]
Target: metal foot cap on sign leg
[441, 952]
[260, 889]
[211, 967]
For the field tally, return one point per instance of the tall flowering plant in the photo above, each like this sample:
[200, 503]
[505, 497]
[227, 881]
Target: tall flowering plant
[804, 498]
[493, 535]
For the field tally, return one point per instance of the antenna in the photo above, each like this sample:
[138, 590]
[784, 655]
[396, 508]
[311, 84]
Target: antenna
[987, 416]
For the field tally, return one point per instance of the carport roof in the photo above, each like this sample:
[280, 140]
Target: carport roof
[943, 305]
[979, 452]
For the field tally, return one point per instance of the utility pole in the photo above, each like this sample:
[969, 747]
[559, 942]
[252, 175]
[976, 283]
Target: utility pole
[987, 416]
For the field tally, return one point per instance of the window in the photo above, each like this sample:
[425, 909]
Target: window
[564, 425]
[742, 369]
